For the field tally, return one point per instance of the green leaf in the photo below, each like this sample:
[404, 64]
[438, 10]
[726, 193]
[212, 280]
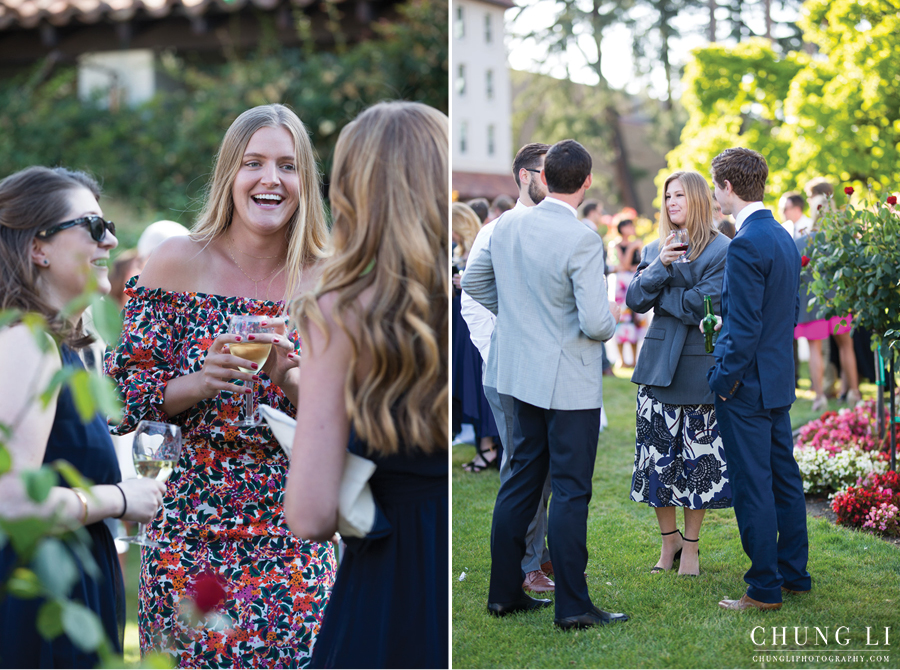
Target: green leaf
[106, 397]
[55, 568]
[59, 378]
[7, 316]
[80, 385]
[107, 319]
[71, 475]
[24, 584]
[82, 626]
[5, 460]
[25, 533]
[49, 619]
[38, 483]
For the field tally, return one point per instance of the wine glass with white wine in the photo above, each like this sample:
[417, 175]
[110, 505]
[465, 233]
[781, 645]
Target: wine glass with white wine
[156, 449]
[256, 352]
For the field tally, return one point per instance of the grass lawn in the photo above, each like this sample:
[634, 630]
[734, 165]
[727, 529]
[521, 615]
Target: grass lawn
[675, 621]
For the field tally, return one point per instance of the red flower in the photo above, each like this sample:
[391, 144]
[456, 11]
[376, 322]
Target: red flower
[892, 200]
[208, 592]
[848, 190]
[804, 261]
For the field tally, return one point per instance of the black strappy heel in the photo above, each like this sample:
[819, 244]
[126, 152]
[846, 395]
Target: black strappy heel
[656, 569]
[687, 574]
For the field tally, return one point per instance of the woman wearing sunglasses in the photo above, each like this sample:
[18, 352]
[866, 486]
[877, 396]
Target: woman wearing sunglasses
[54, 246]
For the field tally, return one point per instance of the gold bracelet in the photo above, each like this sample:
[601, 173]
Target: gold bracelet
[84, 506]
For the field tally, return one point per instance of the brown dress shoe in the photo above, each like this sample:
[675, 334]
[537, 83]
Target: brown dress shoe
[795, 591]
[547, 568]
[537, 582]
[746, 602]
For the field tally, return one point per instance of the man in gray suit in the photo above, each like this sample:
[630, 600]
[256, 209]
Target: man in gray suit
[542, 275]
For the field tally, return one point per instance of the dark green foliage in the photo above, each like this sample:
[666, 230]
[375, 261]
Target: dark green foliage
[159, 155]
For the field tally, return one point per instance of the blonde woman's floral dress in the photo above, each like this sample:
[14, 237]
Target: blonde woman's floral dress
[222, 518]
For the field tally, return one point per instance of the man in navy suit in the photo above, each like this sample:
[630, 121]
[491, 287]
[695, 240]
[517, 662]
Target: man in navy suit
[753, 380]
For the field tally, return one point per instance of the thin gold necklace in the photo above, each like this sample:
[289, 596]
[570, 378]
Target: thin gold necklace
[255, 281]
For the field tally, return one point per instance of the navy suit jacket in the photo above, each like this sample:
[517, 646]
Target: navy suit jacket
[760, 305]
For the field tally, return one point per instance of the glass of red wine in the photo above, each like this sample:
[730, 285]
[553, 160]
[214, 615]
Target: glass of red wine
[681, 240]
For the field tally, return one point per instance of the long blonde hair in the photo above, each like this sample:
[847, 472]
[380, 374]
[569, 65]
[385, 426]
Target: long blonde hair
[308, 231]
[389, 196]
[699, 221]
[466, 224]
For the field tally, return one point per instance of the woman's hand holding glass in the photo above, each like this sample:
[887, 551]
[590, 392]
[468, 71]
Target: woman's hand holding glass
[143, 497]
[675, 248]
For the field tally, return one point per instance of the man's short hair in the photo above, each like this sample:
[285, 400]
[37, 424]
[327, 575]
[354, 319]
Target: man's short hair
[819, 186]
[588, 207]
[529, 156]
[566, 167]
[794, 199]
[481, 207]
[502, 203]
[746, 171]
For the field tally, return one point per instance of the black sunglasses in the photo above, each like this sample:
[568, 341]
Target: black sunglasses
[97, 226]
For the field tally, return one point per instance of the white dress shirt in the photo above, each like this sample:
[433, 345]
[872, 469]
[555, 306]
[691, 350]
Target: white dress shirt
[747, 211]
[479, 319]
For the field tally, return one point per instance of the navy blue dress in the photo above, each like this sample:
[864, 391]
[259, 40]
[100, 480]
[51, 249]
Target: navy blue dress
[467, 377]
[389, 605]
[89, 448]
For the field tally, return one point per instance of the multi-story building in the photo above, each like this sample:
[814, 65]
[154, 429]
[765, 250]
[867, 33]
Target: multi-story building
[481, 103]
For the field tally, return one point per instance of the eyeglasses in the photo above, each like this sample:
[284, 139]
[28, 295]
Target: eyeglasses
[532, 170]
[97, 226]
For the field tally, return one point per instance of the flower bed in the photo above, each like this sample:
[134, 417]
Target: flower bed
[873, 504]
[839, 448]
[840, 451]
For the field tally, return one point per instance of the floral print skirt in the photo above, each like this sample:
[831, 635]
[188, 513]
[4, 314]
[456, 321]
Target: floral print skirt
[679, 460]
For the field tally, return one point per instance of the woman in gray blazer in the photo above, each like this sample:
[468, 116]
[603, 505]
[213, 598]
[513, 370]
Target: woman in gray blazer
[679, 460]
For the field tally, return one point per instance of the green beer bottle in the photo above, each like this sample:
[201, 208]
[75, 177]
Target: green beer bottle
[709, 324]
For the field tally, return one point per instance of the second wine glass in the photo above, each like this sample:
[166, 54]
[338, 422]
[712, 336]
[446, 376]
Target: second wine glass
[256, 352]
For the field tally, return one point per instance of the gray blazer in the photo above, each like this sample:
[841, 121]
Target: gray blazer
[673, 359]
[542, 275]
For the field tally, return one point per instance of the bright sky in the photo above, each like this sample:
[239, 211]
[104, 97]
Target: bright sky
[618, 64]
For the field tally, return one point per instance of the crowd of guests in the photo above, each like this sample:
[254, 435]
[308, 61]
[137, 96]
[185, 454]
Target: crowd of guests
[370, 297]
[711, 427]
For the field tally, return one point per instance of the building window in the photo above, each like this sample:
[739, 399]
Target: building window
[459, 26]
[490, 145]
[461, 80]
[489, 81]
[463, 136]
[488, 32]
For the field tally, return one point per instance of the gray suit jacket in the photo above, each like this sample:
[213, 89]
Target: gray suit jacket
[673, 358]
[542, 275]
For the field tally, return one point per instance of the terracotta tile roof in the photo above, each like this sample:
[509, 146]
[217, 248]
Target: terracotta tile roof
[30, 13]
[480, 185]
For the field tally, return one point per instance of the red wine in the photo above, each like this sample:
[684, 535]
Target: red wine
[680, 247]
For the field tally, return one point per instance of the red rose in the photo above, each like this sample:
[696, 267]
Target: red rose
[892, 200]
[804, 261]
[848, 190]
[208, 592]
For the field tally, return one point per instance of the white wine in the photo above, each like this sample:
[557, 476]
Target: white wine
[257, 352]
[152, 468]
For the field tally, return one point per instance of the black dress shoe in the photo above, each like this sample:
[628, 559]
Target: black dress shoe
[524, 604]
[595, 617]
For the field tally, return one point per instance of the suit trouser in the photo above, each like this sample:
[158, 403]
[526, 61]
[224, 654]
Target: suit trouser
[535, 538]
[768, 496]
[563, 442]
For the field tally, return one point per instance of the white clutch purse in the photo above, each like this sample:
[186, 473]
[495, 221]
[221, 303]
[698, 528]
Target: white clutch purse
[356, 506]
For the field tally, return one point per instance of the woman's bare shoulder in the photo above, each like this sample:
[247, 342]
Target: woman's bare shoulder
[174, 265]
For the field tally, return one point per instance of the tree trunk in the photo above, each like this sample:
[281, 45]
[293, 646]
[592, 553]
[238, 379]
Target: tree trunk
[767, 4]
[712, 20]
[624, 178]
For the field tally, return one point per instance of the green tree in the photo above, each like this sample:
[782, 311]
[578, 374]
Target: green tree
[837, 114]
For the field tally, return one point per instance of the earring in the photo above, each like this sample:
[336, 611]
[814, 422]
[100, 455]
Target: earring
[46, 262]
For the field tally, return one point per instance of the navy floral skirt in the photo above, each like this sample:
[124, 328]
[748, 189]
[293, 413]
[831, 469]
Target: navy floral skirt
[679, 460]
